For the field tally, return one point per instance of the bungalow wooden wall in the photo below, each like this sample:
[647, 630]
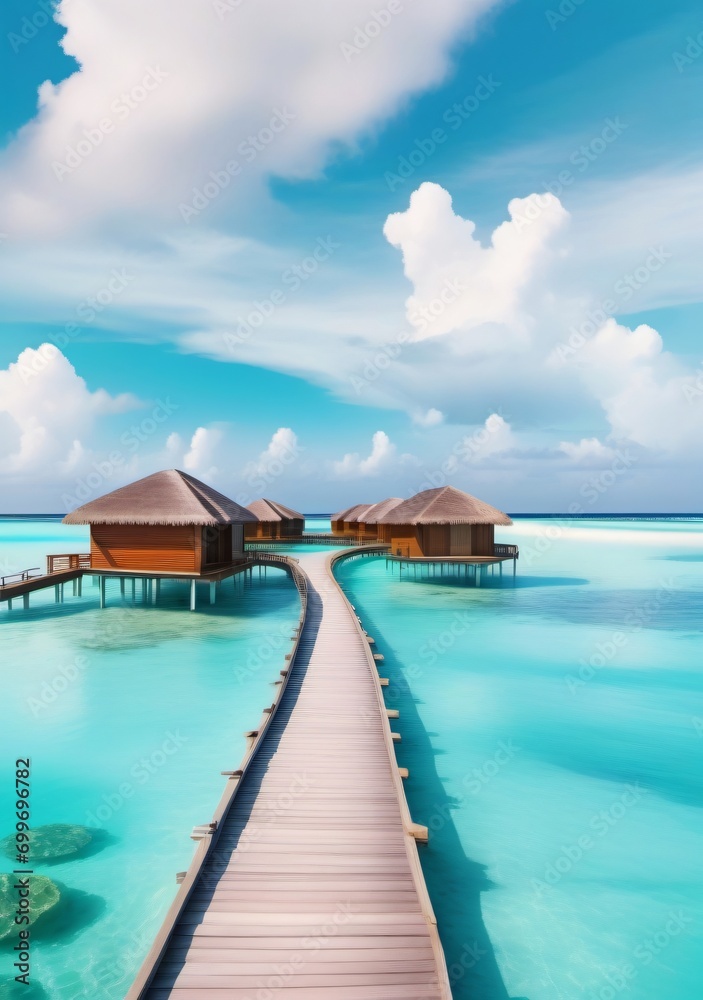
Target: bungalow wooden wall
[471, 539]
[366, 530]
[384, 532]
[460, 540]
[237, 540]
[165, 548]
[482, 539]
[404, 538]
[434, 539]
[264, 529]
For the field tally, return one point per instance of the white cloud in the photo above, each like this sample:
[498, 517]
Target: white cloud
[281, 451]
[457, 283]
[428, 418]
[587, 451]
[494, 437]
[49, 414]
[642, 388]
[200, 458]
[260, 86]
[382, 454]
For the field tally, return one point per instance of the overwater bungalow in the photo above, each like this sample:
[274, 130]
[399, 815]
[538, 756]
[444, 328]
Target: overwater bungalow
[274, 521]
[343, 522]
[167, 523]
[367, 520]
[443, 522]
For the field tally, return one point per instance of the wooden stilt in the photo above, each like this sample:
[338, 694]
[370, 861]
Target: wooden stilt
[121, 586]
[192, 595]
[212, 592]
[102, 591]
[25, 601]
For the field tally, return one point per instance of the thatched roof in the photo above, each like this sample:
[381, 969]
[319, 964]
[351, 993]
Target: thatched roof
[170, 497]
[446, 505]
[348, 513]
[269, 510]
[374, 513]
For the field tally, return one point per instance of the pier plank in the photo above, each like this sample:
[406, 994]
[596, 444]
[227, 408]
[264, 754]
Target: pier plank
[313, 868]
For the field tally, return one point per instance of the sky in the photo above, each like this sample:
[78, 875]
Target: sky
[329, 253]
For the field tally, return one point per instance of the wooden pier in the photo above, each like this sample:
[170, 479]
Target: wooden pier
[307, 884]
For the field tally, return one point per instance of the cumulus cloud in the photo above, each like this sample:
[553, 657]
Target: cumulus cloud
[48, 414]
[281, 451]
[428, 418]
[642, 388]
[200, 457]
[494, 437]
[457, 283]
[230, 93]
[382, 454]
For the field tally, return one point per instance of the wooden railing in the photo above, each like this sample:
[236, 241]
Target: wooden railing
[506, 550]
[24, 574]
[74, 560]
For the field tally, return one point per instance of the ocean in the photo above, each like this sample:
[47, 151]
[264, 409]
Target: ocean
[552, 726]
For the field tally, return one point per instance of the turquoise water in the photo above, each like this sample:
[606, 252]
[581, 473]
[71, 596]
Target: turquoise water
[318, 524]
[554, 734]
[129, 714]
[553, 730]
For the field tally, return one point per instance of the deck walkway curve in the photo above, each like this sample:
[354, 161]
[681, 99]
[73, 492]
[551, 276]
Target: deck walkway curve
[310, 888]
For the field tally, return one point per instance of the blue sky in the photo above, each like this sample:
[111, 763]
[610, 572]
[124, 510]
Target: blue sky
[276, 322]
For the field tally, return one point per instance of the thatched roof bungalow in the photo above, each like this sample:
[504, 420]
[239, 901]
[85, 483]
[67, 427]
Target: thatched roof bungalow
[365, 521]
[343, 522]
[275, 520]
[441, 522]
[168, 522]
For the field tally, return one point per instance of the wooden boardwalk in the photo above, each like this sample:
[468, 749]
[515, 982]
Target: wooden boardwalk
[311, 887]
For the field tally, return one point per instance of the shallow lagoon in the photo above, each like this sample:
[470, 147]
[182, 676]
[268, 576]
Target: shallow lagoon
[553, 730]
[554, 736]
[129, 714]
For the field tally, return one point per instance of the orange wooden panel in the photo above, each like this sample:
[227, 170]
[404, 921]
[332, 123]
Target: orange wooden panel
[144, 547]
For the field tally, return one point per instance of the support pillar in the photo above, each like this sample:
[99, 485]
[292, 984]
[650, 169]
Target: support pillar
[157, 590]
[57, 593]
[478, 576]
[102, 591]
[212, 592]
[192, 595]
[79, 581]
[121, 586]
[25, 601]
[9, 604]
[134, 590]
